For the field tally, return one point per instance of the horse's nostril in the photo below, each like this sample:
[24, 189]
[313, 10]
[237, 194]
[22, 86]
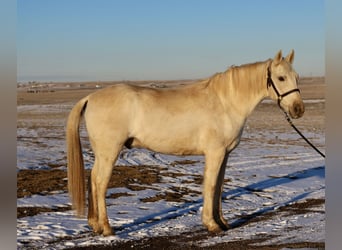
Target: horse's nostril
[298, 109]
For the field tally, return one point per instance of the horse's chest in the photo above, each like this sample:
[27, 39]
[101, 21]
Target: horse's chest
[232, 133]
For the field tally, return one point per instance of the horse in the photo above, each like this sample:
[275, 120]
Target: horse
[204, 118]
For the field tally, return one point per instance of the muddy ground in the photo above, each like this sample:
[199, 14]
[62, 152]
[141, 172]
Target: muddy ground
[47, 181]
[266, 116]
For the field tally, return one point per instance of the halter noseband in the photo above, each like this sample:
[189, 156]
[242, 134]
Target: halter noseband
[271, 83]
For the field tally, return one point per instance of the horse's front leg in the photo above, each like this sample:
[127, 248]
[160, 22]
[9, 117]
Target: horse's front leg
[218, 216]
[215, 165]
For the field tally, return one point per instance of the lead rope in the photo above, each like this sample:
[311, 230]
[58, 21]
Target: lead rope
[294, 127]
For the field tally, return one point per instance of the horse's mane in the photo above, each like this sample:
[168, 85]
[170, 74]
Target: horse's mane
[249, 77]
[232, 68]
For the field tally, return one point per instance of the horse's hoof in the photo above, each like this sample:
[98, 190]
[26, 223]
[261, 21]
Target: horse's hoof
[224, 225]
[213, 227]
[215, 230]
[217, 227]
[96, 229]
[93, 224]
[107, 232]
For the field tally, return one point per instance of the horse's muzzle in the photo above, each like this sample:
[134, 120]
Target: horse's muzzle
[297, 110]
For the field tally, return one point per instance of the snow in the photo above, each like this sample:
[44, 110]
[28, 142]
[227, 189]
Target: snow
[266, 172]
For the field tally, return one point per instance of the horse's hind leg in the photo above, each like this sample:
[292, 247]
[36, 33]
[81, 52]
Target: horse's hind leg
[93, 214]
[100, 176]
[212, 187]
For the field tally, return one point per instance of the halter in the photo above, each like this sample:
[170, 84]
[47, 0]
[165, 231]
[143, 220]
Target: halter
[271, 83]
[280, 97]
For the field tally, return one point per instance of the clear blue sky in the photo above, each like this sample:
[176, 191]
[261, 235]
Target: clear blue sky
[78, 40]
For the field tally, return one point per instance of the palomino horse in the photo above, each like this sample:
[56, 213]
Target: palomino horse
[205, 118]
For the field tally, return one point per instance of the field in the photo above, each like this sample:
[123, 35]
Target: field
[274, 191]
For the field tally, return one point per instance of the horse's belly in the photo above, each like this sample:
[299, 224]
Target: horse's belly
[172, 144]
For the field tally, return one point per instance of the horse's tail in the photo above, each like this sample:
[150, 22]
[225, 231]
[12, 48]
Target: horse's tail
[76, 176]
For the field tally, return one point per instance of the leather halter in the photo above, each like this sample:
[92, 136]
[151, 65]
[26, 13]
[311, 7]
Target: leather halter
[271, 83]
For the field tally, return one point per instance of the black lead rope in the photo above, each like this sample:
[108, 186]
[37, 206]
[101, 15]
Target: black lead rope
[294, 127]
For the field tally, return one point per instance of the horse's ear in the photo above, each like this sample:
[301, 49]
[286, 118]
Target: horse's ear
[277, 58]
[290, 57]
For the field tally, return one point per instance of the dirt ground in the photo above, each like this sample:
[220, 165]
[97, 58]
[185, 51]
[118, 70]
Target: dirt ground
[54, 179]
[47, 181]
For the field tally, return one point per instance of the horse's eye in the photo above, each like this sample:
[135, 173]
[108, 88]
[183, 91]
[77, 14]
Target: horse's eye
[281, 78]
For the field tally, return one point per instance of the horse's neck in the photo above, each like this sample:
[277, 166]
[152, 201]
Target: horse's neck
[242, 88]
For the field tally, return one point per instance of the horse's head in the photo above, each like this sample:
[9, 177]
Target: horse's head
[282, 85]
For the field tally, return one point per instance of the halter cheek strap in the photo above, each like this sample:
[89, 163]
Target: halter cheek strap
[270, 83]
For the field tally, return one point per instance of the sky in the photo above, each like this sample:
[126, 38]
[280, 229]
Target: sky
[84, 40]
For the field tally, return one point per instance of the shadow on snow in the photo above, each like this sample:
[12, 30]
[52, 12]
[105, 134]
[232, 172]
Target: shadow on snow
[193, 207]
